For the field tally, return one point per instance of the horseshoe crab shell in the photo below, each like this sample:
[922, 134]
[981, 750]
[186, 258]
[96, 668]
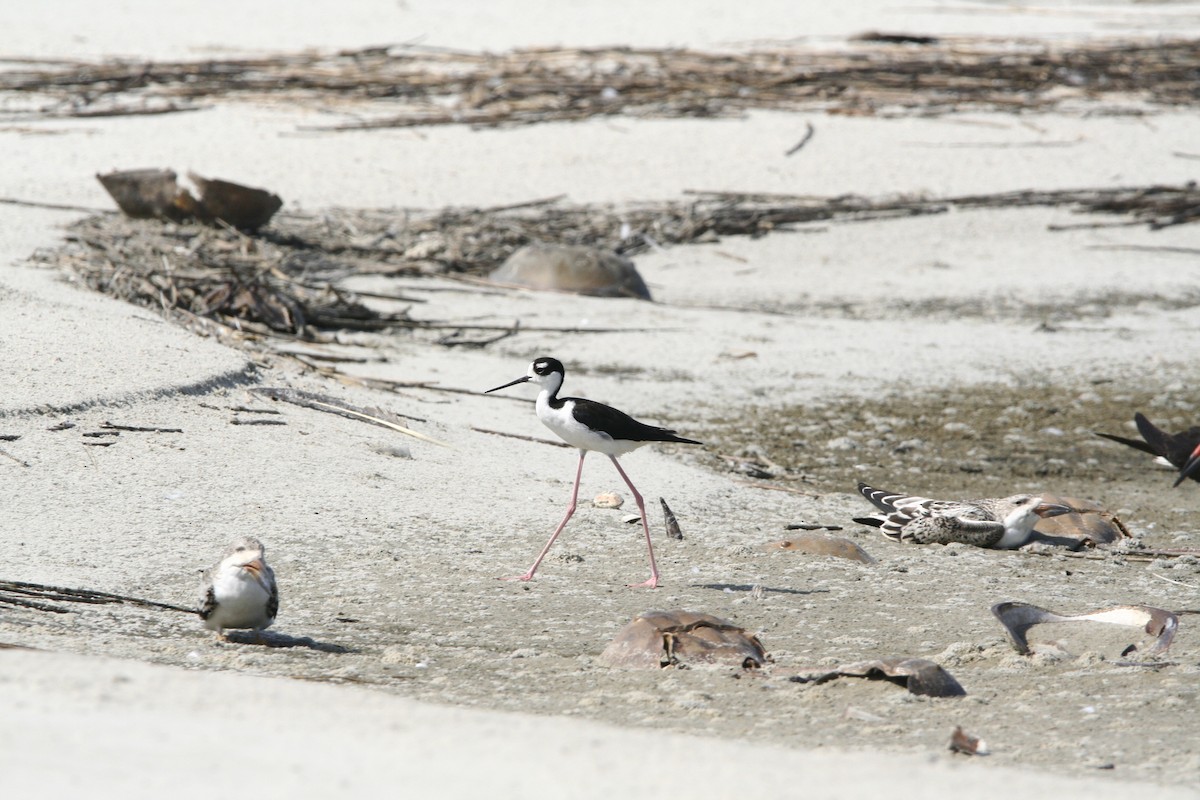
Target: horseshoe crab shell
[657, 639]
[821, 544]
[157, 193]
[1087, 525]
[571, 268]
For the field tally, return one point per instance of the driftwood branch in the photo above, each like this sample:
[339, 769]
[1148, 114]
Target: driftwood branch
[522, 437]
[16, 201]
[13, 458]
[457, 339]
[136, 429]
[32, 595]
[320, 402]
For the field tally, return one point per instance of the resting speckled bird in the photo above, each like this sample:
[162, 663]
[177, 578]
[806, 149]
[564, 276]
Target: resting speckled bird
[1002, 523]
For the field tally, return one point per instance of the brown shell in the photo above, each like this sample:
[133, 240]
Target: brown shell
[571, 268]
[156, 193]
[822, 544]
[656, 639]
[148, 194]
[243, 207]
[1087, 526]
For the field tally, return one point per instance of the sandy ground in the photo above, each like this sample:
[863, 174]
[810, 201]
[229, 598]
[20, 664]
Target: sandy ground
[387, 549]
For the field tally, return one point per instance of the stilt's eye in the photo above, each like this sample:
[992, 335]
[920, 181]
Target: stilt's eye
[540, 367]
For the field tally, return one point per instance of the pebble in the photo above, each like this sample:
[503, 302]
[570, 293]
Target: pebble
[608, 500]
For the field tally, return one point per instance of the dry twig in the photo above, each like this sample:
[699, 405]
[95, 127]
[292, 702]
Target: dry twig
[21, 592]
[320, 402]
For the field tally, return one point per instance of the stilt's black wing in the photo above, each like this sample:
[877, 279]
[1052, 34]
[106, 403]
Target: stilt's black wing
[620, 425]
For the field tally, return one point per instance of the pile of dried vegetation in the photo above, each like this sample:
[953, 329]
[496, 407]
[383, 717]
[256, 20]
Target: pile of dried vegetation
[287, 279]
[403, 86]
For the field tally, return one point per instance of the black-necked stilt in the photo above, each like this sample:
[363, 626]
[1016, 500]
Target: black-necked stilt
[1004, 523]
[1179, 450]
[589, 425]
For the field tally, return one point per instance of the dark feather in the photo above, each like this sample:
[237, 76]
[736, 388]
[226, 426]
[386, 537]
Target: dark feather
[273, 601]
[1134, 443]
[1176, 448]
[880, 498]
[209, 605]
[620, 425]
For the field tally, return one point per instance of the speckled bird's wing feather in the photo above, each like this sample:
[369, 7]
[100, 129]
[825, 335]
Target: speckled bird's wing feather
[889, 501]
[944, 529]
[273, 600]
[208, 601]
[921, 519]
[915, 521]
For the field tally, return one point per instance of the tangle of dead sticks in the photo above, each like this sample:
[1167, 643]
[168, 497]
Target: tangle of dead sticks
[402, 86]
[288, 281]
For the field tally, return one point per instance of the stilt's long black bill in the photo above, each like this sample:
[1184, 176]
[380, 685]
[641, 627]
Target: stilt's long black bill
[522, 379]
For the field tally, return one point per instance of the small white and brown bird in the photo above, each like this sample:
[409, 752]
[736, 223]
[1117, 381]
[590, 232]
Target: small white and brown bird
[1002, 523]
[239, 591]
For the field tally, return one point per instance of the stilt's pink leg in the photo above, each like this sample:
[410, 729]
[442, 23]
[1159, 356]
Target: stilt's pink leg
[570, 510]
[653, 582]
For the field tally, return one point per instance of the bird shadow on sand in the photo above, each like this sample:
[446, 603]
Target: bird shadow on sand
[746, 587]
[283, 640]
